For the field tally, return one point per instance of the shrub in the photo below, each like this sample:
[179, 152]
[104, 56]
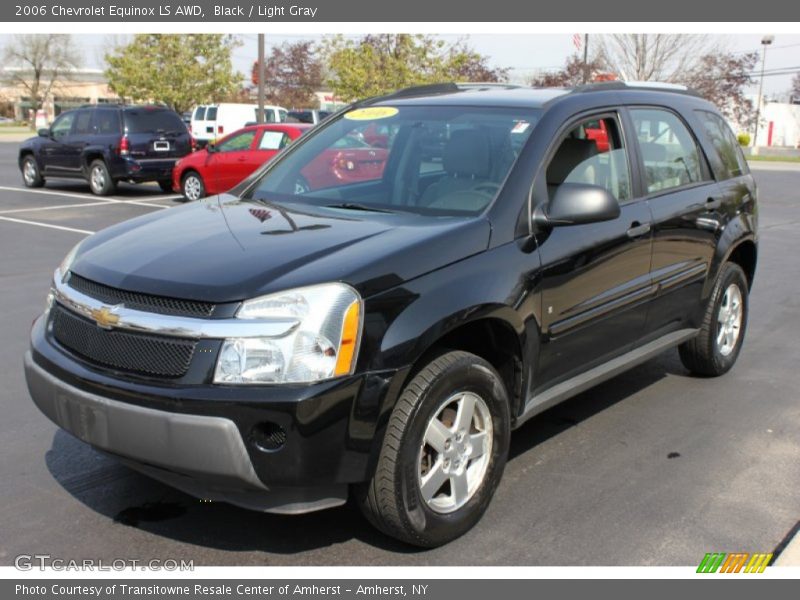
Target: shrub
[744, 139]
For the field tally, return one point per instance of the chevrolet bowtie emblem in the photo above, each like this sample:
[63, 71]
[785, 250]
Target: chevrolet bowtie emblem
[105, 317]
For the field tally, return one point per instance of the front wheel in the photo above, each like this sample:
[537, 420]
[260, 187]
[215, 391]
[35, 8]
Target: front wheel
[715, 349]
[192, 186]
[443, 453]
[100, 180]
[31, 175]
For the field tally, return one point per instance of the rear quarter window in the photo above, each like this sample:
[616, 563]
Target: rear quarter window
[152, 121]
[200, 113]
[725, 144]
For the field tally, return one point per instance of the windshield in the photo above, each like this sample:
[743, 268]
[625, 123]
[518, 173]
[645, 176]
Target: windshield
[443, 160]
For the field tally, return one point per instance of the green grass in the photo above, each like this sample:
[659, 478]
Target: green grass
[15, 130]
[768, 158]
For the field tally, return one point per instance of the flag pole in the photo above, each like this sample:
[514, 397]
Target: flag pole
[586, 58]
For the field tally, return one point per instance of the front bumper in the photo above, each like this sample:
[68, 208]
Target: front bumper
[203, 439]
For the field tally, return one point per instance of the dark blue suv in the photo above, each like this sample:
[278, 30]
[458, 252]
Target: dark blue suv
[106, 144]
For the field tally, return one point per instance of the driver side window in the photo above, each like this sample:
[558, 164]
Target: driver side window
[593, 153]
[62, 125]
[241, 141]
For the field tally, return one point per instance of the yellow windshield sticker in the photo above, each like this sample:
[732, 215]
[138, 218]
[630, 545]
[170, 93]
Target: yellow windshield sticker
[371, 113]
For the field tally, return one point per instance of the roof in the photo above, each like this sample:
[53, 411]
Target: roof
[503, 95]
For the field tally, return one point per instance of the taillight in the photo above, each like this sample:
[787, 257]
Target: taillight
[219, 129]
[193, 142]
[124, 146]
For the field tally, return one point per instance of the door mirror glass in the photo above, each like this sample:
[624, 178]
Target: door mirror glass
[578, 204]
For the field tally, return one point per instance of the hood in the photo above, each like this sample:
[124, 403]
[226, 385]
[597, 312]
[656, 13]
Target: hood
[223, 249]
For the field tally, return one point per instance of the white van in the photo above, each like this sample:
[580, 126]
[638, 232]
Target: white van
[213, 121]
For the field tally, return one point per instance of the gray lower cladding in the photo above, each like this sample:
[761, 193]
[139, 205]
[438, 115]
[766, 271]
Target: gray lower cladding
[201, 455]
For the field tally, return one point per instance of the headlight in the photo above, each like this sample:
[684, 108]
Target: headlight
[66, 264]
[323, 344]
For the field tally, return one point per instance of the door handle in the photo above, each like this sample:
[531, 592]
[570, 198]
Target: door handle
[713, 203]
[241, 159]
[638, 229]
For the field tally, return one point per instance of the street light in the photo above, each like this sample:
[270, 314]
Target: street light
[765, 41]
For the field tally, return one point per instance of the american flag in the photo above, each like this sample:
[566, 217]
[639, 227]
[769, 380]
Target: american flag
[577, 41]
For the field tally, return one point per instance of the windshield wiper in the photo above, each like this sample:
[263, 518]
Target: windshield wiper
[357, 206]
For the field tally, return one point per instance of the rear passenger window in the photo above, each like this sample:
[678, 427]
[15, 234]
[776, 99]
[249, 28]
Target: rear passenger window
[273, 140]
[83, 123]
[105, 122]
[592, 153]
[726, 145]
[670, 154]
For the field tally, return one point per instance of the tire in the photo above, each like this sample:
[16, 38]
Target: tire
[192, 186]
[165, 185]
[100, 181]
[396, 500]
[31, 175]
[715, 349]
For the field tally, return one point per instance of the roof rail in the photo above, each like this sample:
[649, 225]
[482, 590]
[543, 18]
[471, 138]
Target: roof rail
[487, 85]
[634, 85]
[424, 90]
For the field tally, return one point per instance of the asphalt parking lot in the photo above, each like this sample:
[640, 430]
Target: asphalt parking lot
[654, 467]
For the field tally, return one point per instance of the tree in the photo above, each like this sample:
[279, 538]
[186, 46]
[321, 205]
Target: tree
[293, 73]
[795, 93]
[722, 78]
[378, 64]
[178, 70]
[38, 64]
[571, 74]
[652, 57]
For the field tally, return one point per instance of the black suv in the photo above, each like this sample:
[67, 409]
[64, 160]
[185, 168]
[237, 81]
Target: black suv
[105, 144]
[382, 334]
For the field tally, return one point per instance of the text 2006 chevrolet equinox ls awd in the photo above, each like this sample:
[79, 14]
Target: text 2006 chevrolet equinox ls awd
[280, 346]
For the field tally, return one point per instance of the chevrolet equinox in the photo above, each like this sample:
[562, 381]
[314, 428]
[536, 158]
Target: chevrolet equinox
[283, 346]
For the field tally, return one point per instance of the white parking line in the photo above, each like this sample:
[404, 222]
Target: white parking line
[48, 225]
[56, 207]
[98, 199]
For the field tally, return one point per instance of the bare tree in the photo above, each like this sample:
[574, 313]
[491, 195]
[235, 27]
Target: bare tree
[37, 63]
[652, 57]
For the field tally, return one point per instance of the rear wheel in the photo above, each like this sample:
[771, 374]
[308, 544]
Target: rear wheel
[31, 175]
[443, 453]
[715, 349]
[165, 185]
[192, 186]
[100, 180]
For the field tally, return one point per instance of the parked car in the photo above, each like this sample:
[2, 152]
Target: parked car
[215, 121]
[219, 167]
[105, 144]
[382, 336]
[311, 115]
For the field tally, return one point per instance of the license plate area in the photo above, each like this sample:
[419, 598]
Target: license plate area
[161, 146]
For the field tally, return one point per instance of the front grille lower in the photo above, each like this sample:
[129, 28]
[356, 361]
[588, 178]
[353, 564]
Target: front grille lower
[139, 301]
[152, 355]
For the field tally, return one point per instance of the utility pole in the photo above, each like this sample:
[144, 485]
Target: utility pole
[585, 58]
[261, 77]
[765, 41]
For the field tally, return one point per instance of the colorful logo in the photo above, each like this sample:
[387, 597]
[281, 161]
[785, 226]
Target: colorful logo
[735, 562]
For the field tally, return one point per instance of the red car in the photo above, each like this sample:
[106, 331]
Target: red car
[219, 168]
[235, 157]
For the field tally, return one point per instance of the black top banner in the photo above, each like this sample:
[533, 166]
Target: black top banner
[473, 11]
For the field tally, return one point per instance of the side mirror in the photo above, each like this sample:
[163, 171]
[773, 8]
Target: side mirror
[577, 204]
[44, 133]
[211, 148]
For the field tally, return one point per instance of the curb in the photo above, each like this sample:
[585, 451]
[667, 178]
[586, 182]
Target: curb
[790, 555]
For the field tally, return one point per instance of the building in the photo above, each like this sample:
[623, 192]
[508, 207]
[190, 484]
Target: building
[780, 125]
[78, 87]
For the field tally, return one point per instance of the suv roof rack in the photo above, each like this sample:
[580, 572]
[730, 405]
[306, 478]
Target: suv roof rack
[634, 85]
